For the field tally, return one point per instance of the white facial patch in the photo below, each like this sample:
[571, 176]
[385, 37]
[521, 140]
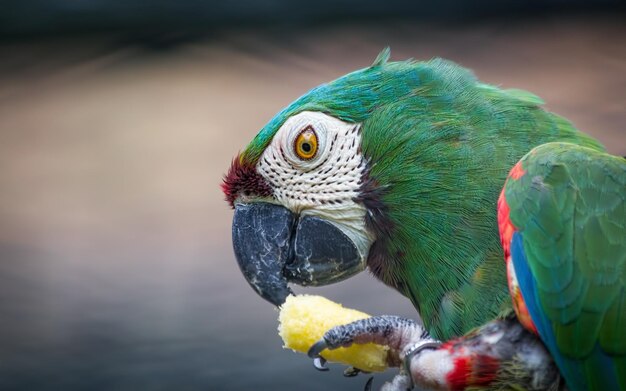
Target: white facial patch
[326, 184]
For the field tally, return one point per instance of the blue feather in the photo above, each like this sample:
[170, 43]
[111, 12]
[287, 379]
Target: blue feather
[598, 371]
[571, 370]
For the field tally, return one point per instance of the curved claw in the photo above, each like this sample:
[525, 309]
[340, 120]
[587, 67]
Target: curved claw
[314, 353]
[319, 362]
[317, 348]
[368, 385]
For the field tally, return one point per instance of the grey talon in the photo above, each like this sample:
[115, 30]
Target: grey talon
[314, 353]
[368, 385]
[317, 348]
[319, 362]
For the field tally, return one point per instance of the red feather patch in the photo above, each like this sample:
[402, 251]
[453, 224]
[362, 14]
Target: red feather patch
[244, 179]
[472, 371]
[507, 229]
[504, 223]
[517, 171]
[505, 226]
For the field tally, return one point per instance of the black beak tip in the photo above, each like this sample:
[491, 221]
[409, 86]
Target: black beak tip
[276, 296]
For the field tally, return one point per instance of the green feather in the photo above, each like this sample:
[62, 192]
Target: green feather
[382, 58]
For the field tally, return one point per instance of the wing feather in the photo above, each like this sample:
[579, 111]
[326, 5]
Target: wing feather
[569, 212]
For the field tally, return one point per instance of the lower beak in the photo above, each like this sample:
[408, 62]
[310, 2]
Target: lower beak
[274, 247]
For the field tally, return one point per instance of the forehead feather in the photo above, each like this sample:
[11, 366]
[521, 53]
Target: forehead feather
[353, 97]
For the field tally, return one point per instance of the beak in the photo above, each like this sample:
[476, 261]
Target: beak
[274, 247]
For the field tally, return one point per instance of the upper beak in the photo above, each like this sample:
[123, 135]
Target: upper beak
[273, 247]
[261, 239]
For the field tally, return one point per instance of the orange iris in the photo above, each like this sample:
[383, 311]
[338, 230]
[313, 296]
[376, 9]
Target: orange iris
[306, 144]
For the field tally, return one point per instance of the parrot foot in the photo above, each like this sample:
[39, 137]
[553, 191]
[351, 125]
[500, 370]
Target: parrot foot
[392, 331]
[498, 344]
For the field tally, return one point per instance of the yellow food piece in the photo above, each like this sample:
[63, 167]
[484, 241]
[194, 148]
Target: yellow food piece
[304, 319]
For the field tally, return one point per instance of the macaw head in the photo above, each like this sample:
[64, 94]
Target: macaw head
[306, 209]
[299, 189]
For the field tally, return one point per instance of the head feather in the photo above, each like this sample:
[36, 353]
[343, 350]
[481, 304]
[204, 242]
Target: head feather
[382, 58]
[355, 96]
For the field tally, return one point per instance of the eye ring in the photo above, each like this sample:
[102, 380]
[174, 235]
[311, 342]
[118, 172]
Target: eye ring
[306, 144]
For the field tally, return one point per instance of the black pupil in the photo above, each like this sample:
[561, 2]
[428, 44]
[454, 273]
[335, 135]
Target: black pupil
[306, 147]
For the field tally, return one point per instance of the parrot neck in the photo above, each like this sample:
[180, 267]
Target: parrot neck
[451, 300]
[456, 279]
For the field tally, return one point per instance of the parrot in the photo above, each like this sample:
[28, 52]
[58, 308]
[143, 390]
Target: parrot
[412, 170]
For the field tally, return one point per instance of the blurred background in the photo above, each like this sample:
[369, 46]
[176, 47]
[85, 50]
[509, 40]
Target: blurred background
[118, 119]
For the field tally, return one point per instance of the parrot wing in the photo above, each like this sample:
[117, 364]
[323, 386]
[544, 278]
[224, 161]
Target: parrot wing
[565, 209]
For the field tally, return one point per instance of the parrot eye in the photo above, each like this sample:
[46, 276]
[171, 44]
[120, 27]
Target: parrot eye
[305, 144]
